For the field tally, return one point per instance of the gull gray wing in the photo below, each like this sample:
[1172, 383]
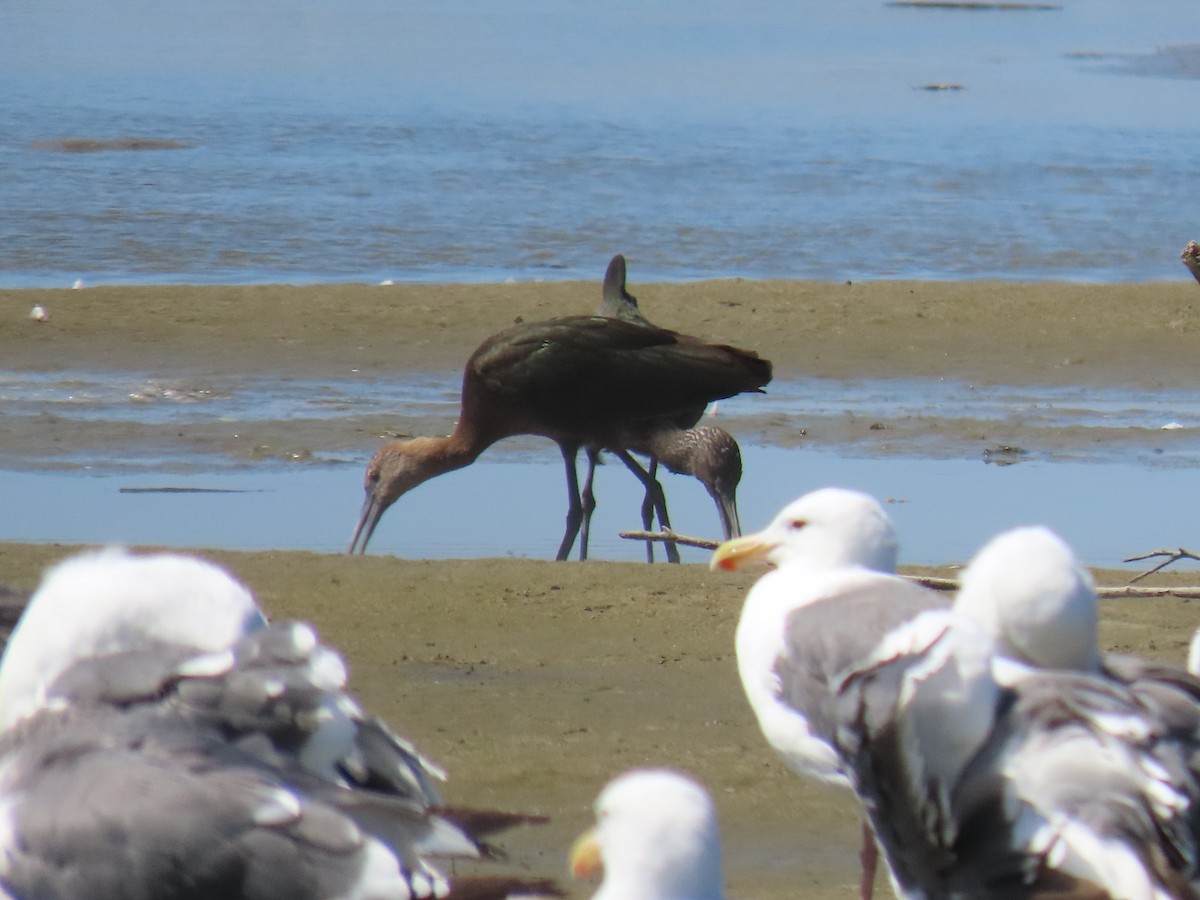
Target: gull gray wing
[278, 692]
[274, 705]
[827, 638]
[117, 804]
[1041, 782]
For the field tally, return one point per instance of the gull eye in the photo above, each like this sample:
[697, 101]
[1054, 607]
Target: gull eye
[797, 524]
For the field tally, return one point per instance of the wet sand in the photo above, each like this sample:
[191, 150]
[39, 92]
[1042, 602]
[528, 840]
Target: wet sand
[989, 332]
[1037, 335]
[534, 682]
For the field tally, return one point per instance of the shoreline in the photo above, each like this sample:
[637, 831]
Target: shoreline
[1036, 335]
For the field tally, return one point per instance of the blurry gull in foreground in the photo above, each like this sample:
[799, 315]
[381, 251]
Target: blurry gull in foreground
[160, 738]
[830, 600]
[655, 838]
[1000, 756]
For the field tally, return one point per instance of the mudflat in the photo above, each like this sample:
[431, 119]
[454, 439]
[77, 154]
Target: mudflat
[535, 682]
[1045, 333]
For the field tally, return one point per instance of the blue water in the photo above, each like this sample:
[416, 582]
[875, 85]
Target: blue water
[373, 139]
[944, 509]
[104, 445]
[380, 139]
[128, 421]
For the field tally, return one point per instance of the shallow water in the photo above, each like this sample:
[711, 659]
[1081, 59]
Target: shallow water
[413, 141]
[375, 140]
[944, 509]
[1108, 425]
[957, 462]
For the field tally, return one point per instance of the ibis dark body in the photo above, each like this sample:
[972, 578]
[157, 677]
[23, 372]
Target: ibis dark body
[593, 380]
[582, 381]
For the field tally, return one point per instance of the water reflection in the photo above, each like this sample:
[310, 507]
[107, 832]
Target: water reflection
[126, 421]
[270, 463]
[944, 508]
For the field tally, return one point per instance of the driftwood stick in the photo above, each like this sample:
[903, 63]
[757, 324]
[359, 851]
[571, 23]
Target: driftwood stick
[671, 537]
[950, 584]
[1148, 593]
[939, 583]
[1104, 593]
[1191, 258]
[1171, 556]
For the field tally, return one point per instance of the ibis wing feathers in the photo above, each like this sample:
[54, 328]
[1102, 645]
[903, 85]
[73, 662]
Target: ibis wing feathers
[591, 369]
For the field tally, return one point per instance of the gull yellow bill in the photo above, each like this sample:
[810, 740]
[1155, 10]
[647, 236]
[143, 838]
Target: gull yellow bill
[739, 552]
[586, 861]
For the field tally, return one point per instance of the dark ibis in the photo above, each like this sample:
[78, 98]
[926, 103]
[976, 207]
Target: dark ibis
[582, 381]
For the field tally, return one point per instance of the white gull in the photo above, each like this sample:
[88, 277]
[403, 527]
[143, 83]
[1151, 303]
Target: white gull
[162, 739]
[831, 599]
[999, 755]
[655, 838]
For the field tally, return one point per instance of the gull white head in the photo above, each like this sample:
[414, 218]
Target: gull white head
[827, 528]
[655, 838]
[106, 601]
[1028, 589]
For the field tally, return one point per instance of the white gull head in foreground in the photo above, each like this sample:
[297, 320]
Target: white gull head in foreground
[1037, 603]
[170, 742]
[106, 601]
[827, 528]
[831, 599]
[655, 838]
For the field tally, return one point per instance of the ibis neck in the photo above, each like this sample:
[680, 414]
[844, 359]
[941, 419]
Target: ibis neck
[460, 448]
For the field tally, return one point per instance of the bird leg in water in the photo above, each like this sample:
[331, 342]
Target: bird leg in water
[654, 489]
[574, 504]
[588, 502]
[648, 509]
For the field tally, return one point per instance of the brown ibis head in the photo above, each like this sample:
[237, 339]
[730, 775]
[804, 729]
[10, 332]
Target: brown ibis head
[719, 469]
[712, 456]
[396, 468]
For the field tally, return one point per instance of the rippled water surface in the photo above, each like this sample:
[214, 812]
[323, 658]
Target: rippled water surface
[957, 462]
[472, 141]
[372, 139]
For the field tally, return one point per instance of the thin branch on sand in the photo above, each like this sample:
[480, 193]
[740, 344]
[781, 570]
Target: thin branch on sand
[950, 584]
[1191, 258]
[1104, 593]
[1171, 556]
[1148, 593]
